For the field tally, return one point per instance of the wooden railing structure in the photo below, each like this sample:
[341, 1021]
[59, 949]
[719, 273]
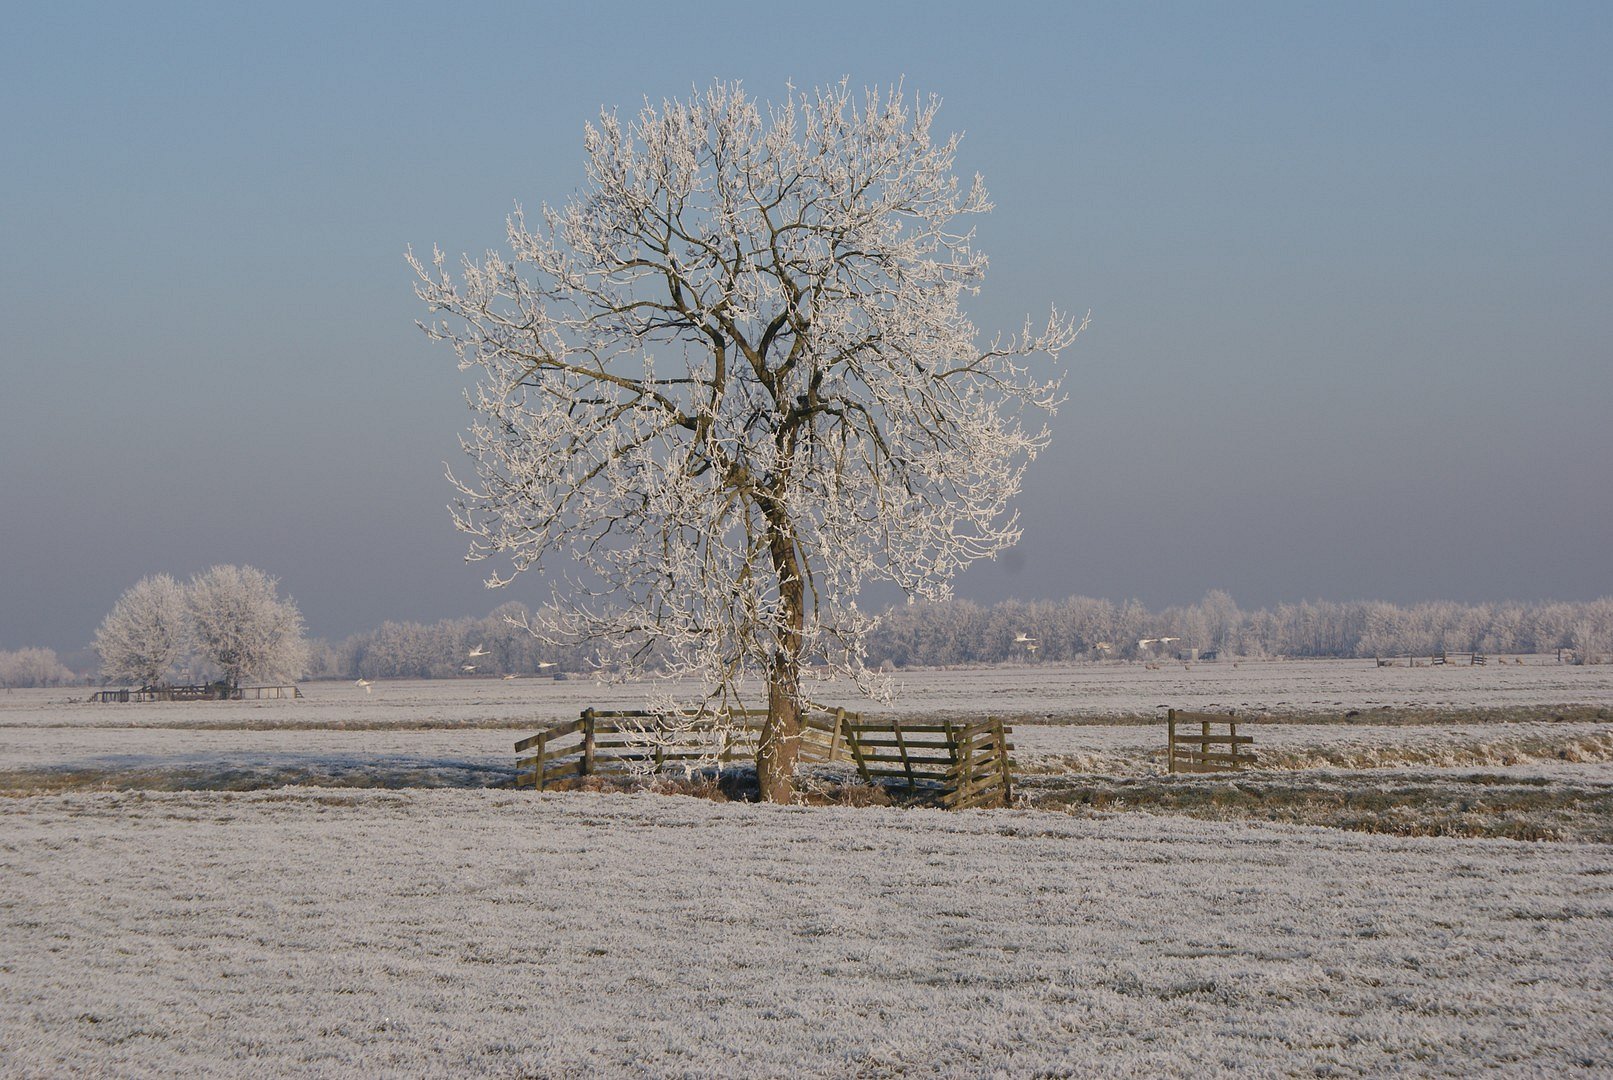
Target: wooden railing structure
[1215, 747]
[601, 741]
[958, 766]
[1473, 659]
[197, 692]
[962, 765]
[1453, 659]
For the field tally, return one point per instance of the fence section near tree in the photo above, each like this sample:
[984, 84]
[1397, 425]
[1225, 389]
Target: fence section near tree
[961, 765]
[958, 766]
[601, 741]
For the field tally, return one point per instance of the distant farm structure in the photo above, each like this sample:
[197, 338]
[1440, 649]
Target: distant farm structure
[198, 692]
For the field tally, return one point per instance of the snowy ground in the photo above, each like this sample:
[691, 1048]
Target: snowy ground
[484, 755]
[169, 908]
[444, 932]
[1540, 717]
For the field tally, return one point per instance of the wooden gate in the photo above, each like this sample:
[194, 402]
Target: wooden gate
[961, 766]
[1214, 747]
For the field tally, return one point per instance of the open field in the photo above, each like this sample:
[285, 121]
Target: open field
[172, 908]
[329, 933]
[1296, 690]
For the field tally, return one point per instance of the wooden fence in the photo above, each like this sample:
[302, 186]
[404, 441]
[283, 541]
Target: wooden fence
[1210, 748]
[961, 765]
[197, 692]
[958, 765]
[1438, 659]
[600, 741]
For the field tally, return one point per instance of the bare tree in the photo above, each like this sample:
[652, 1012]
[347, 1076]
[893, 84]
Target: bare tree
[146, 632]
[239, 622]
[732, 380]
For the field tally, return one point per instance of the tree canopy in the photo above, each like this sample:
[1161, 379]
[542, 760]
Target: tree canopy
[730, 384]
[239, 622]
[230, 617]
[145, 633]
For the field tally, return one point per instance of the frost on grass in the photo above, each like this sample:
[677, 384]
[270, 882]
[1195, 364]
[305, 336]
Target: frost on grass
[316, 931]
[1401, 803]
[1136, 750]
[451, 932]
[1386, 775]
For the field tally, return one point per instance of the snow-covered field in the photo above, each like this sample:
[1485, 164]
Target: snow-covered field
[169, 908]
[458, 932]
[1104, 718]
[1291, 688]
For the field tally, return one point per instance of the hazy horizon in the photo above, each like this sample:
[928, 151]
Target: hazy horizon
[1348, 269]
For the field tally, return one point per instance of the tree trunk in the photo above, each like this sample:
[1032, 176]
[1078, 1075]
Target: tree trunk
[781, 732]
[780, 744]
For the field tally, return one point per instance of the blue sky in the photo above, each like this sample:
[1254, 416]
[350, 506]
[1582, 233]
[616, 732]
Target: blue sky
[1349, 268]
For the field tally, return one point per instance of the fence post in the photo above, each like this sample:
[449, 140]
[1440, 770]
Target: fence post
[587, 742]
[856, 747]
[901, 745]
[543, 759]
[1002, 753]
[962, 756]
[1170, 740]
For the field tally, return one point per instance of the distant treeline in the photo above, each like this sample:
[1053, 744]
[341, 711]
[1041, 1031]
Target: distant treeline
[961, 632]
[1082, 628]
[35, 667]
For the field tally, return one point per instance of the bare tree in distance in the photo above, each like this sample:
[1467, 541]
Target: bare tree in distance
[732, 380]
[144, 635]
[239, 622]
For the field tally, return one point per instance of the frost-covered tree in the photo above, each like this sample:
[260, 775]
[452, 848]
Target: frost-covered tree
[145, 633]
[732, 380]
[239, 623]
[33, 667]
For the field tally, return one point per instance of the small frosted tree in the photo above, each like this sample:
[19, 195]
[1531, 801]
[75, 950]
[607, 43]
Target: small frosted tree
[146, 632]
[239, 623]
[731, 382]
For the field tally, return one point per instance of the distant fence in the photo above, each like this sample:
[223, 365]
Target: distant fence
[959, 766]
[197, 692]
[1464, 659]
[1215, 746]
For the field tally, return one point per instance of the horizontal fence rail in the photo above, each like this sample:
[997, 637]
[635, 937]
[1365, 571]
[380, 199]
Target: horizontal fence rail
[1205, 742]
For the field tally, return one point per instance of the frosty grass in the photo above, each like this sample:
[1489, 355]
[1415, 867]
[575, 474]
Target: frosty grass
[154, 922]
